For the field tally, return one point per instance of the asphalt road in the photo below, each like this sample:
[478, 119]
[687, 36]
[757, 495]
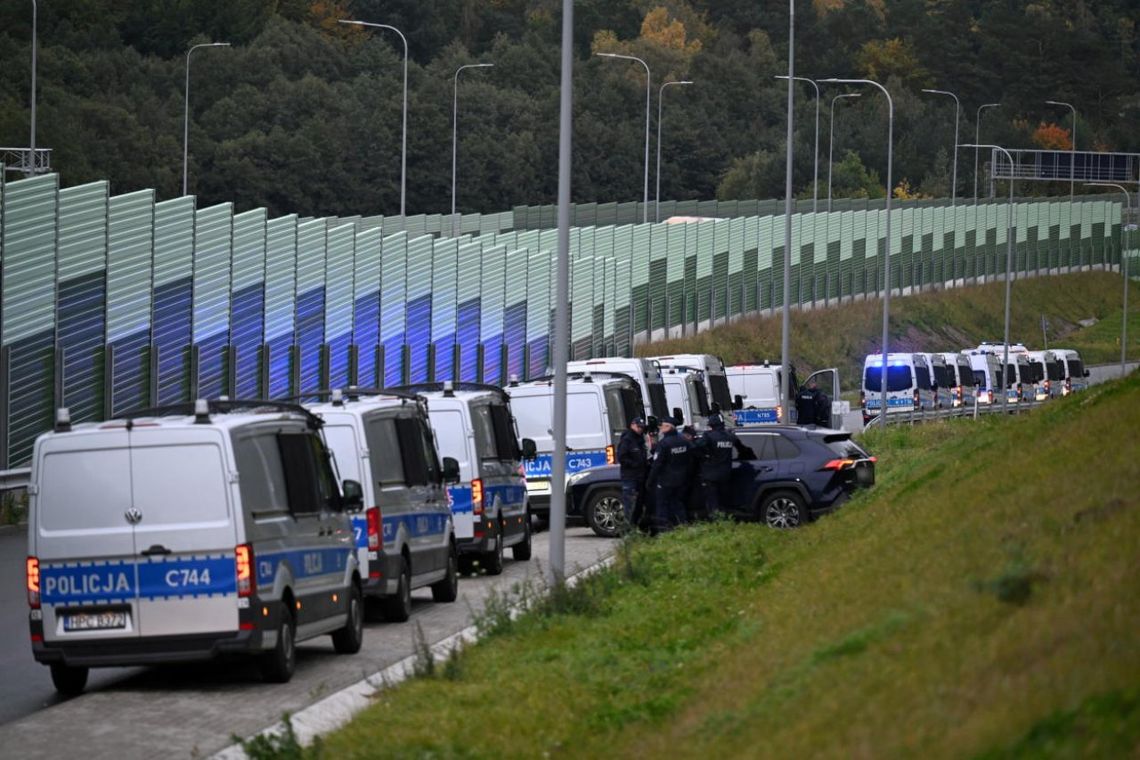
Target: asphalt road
[191, 711]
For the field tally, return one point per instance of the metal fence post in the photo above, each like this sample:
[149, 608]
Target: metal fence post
[405, 364]
[231, 356]
[5, 388]
[109, 381]
[504, 362]
[324, 368]
[262, 370]
[57, 379]
[381, 378]
[353, 364]
[456, 361]
[480, 359]
[431, 363]
[152, 355]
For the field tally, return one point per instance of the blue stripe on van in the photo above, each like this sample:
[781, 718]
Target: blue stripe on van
[157, 578]
[756, 417]
[576, 461]
[304, 563]
[415, 525]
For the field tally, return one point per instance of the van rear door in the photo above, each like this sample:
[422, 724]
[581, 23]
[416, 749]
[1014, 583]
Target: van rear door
[185, 536]
[83, 537]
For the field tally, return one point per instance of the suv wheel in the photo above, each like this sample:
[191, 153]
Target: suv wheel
[447, 590]
[277, 665]
[348, 639]
[605, 514]
[68, 681]
[523, 549]
[493, 560]
[783, 509]
[398, 607]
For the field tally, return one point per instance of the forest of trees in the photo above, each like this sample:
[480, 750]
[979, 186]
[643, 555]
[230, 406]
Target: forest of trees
[302, 114]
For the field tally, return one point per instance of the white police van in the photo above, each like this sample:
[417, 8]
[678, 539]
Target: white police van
[1047, 373]
[1076, 376]
[687, 395]
[405, 540]
[964, 386]
[909, 385]
[943, 380]
[1020, 379]
[757, 393]
[599, 407]
[645, 372]
[186, 532]
[712, 373]
[987, 376]
[473, 425]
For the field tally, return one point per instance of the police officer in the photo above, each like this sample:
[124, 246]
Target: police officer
[672, 472]
[807, 404]
[822, 410]
[633, 456]
[715, 450]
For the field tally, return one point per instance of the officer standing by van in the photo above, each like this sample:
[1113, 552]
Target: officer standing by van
[807, 404]
[715, 450]
[633, 456]
[672, 472]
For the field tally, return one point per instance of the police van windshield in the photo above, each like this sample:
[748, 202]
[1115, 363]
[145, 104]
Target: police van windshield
[720, 393]
[898, 378]
[701, 399]
[944, 376]
[922, 375]
[980, 378]
[657, 401]
[616, 412]
[1036, 372]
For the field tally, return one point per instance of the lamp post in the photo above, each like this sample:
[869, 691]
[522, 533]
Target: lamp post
[954, 173]
[186, 111]
[1008, 273]
[977, 130]
[1072, 149]
[32, 143]
[786, 310]
[831, 140]
[887, 256]
[815, 180]
[1124, 271]
[404, 138]
[648, 78]
[657, 193]
[455, 135]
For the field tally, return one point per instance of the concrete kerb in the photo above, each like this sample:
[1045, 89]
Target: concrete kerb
[337, 710]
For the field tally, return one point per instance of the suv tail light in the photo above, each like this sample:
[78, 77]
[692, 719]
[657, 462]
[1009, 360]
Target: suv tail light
[33, 570]
[375, 535]
[838, 464]
[243, 564]
[610, 458]
[477, 496]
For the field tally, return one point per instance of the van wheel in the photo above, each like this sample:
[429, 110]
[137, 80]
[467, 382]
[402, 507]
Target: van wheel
[277, 666]
[783, 509]
[398, 607]
[523, 549]
[447, 590]
[348, 639]
[68, 681]
[605, 514]
[493, 560]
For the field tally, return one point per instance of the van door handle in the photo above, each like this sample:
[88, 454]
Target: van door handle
[154, 550]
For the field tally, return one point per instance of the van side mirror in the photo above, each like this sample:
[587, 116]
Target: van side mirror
[351, 496]
[737, 402]
[651, 424]
[529, 449]
[715, 408]
[450, 470]
[1086, 373]
[677, 414]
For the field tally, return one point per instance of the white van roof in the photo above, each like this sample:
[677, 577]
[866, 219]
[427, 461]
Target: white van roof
[222, 415]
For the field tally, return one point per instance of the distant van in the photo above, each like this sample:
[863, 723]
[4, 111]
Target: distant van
[964, 383]
[645, 372]
[909, 385]
[1076, 376]
[713, 375]
[404, 538]
[987, 375]
[188, 532]
[758, 388]
[943, 380]
[1048, 374]
[473, 425]
[687, 394]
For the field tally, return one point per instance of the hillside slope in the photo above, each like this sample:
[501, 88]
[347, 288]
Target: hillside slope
[947, 320]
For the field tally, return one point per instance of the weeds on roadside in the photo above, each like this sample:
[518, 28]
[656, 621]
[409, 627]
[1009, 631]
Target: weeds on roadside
[279, 746]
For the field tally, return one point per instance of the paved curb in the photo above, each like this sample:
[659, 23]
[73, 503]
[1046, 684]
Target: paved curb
[337, 710]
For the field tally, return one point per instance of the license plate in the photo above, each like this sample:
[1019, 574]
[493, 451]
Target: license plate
[94, 621]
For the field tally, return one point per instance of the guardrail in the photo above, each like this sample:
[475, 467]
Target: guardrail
[15, 480]
[919, 416]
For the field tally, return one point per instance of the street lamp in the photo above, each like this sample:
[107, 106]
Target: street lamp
[954, 173]
[35, 21]
[1072, 149]
[977, 130]
[455, 134]
[815, 180]
[887, 256]
[831, 140]
[789, 203]
[1124, 271]
[186, 110]
[404, 138]
[648, 78]
[657, 194]
[1008, 273]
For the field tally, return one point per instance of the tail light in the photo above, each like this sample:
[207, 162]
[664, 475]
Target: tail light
[991, 396]
[917, 403]
[477, 496]
[33, 568]
[1020, 392]
[610, 457]
[838, 464]
[243, 562]
[863, 399]
[375, 535]
[1048, 387]
[779, 413]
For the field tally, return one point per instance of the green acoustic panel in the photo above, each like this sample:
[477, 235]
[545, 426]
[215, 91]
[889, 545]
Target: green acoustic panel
[82, 244]
[339, 256]
[493, 299]
[393, 286]
[249, 249]
[27, 270]
[444, 284]
[130, 231]
[280, 277]
[538, 301]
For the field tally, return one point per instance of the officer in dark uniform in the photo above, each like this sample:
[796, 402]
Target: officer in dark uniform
[672, 472]
[633, 456]
[822, 410]
[715, 453]
[807, 404]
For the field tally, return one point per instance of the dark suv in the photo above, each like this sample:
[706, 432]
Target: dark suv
[797, 475]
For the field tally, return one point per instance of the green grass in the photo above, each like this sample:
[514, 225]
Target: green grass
[947, 320]
[992, 612]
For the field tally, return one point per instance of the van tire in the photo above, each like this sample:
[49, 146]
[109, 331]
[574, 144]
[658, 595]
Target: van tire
[278, 664]
[783, 510]
[523, 549]
[398, 607]
[604, 513]
[68, 680]
[493, 560]
[447, 589]
[349, 639]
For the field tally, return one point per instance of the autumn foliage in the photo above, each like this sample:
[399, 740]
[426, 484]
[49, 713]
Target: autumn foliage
[1052, 137]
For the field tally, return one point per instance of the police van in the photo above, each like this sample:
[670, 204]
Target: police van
[405, 539]
[1076, 376]
[909, 385]
[599, 407]
[757, 393]
[187, 532]
[943, 380]
[987, 376]
[1020, 379]
[687, 395]
[473, 425]
[645, 372]
[713, 375]
[964, 385]
[1048, 374]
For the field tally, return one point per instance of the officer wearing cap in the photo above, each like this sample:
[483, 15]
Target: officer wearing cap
[715, 453]
[672, 471]
[633, 456]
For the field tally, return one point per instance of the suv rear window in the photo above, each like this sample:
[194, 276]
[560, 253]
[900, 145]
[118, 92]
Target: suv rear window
[845, 448]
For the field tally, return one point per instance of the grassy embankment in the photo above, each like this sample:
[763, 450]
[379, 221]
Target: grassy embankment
[947, 320]
[980, 601]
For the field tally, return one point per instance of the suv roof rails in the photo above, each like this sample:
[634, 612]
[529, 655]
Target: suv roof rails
[221, 406]
[353, 393]
[415, 388]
